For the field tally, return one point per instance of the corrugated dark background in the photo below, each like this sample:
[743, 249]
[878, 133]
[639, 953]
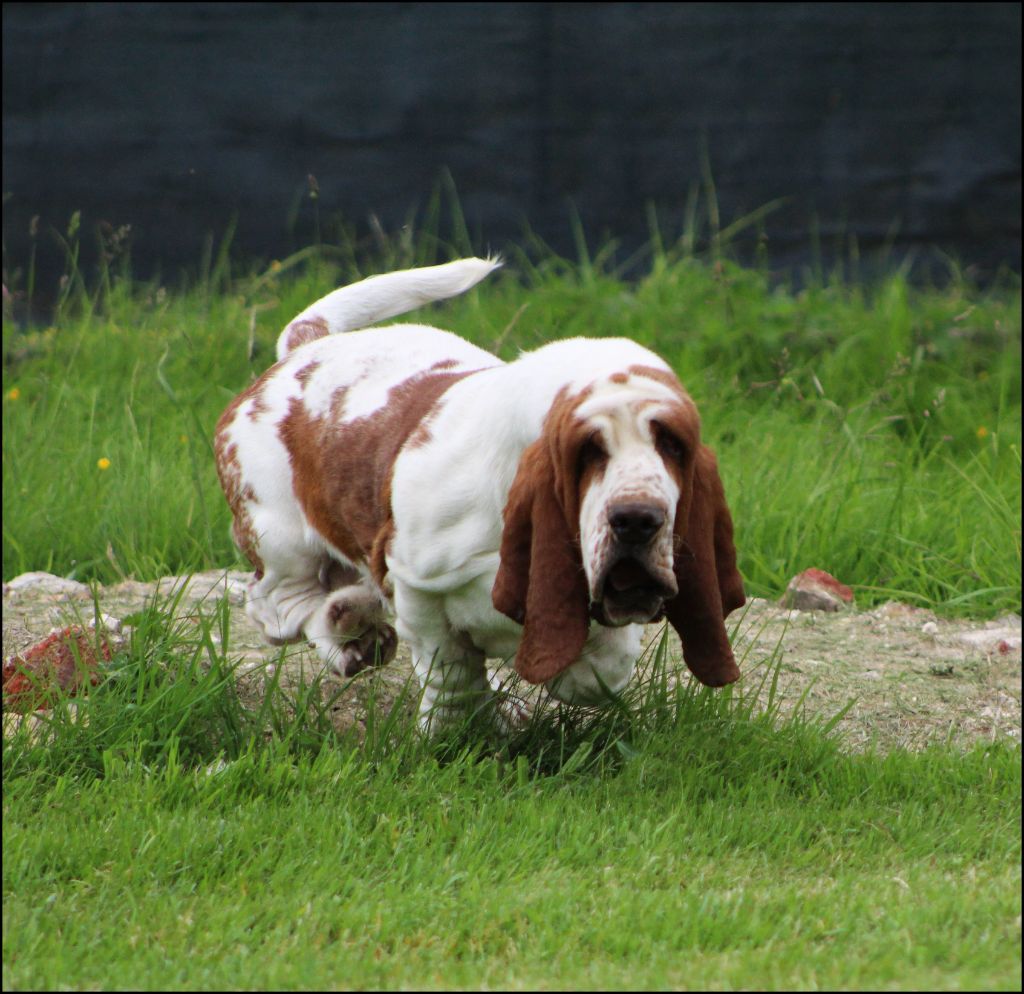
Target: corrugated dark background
[897, 123]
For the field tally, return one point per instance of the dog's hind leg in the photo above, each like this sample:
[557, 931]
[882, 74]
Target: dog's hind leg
[280, 606]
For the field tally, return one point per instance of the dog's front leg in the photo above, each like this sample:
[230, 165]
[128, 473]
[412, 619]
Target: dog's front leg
[450, 669]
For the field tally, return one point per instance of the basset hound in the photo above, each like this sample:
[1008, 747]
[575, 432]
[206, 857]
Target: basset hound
[543, 509]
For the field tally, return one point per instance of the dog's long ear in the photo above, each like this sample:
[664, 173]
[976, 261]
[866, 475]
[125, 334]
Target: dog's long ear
[540, 581]
[710, 586]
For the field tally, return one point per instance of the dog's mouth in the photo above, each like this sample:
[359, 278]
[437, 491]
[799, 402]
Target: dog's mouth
[632, 593]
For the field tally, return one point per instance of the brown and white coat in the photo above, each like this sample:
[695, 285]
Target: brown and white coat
[542, 509]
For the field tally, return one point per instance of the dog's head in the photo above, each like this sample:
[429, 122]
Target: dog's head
[617, 514]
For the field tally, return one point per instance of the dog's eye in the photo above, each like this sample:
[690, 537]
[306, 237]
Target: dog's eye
[592, 452]
[669, 445]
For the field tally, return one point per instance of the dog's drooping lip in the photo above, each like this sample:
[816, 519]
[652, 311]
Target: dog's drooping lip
[630, 593]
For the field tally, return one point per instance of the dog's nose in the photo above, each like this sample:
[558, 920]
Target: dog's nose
[635, 524]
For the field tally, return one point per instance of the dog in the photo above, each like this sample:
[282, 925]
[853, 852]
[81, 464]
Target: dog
[543, 509]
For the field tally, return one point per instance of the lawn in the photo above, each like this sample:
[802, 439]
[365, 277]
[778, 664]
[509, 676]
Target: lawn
[162, 834]
[160, 837]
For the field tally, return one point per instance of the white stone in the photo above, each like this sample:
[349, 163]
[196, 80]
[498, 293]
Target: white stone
[48, 583]
[107, 621]
[990, 639]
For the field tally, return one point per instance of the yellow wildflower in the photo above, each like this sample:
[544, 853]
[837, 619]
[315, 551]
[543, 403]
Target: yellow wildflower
[13, 394]
[982, 431]
[103, 463]
[275, 266]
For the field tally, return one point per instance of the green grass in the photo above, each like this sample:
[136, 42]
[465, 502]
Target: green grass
[684, 871]
[159, 833]
[157, 837]
[872, 432]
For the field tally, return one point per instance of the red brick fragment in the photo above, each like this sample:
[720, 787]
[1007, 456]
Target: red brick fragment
[66, 661]
[816, 590]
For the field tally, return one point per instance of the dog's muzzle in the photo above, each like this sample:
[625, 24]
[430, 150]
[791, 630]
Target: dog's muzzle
[633, 589]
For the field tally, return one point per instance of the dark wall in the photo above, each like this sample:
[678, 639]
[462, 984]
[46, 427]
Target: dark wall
[884, 121]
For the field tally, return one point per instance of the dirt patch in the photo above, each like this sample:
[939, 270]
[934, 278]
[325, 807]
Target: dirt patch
[913, 678]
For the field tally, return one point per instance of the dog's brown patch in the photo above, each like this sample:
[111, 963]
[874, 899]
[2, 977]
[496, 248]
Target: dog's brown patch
[342, 470]
[306, 330]
[307, 371]
[229, 469]
[421, 436]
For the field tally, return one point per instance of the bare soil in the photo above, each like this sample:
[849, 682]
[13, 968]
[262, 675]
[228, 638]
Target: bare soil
[913, 678]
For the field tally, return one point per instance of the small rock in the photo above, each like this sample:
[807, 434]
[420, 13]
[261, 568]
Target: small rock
[816, 590]
[1001, 640]
[47, 583]
[34, 721]
[930, 628]
[209, 585]
[107, 622]
[67, 660]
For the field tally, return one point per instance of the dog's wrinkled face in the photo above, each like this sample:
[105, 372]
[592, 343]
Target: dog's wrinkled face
[617, 515]
[635, 465]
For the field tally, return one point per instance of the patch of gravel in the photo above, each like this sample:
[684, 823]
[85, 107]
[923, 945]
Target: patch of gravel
[913, 678]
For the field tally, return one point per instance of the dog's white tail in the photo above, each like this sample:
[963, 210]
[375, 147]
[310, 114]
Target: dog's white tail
[371, 300]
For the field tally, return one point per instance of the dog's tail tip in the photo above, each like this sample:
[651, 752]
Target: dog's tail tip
[473, 269]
